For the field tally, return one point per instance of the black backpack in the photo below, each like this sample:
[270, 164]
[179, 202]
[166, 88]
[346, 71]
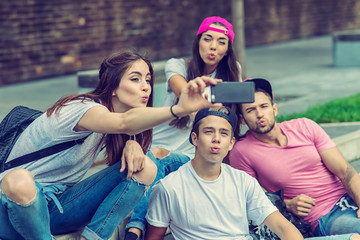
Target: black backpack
[12, 126]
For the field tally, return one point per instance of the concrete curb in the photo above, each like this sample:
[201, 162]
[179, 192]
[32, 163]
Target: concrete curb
[348, 143]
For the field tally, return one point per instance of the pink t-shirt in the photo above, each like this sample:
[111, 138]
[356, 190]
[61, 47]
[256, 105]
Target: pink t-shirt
[296, 168]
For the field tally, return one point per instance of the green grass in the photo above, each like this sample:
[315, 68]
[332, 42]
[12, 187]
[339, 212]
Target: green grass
[339, 110]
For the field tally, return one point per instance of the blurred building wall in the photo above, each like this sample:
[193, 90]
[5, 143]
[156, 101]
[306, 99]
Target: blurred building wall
[40, 38]
[269, 21]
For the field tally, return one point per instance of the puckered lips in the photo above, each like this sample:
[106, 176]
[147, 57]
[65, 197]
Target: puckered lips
[215, 150]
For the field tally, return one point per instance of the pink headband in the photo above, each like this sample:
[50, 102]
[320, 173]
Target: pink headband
[210, 20]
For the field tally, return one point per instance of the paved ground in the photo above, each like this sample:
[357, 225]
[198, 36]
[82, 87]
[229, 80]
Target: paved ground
[301, 73]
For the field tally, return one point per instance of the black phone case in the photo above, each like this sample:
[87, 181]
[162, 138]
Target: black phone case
[233, 92]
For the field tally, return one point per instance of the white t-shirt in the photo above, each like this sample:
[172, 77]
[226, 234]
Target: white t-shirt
[198, 209]
[169, 137]
[66, 167]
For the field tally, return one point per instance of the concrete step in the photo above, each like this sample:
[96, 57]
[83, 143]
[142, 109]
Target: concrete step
[77, 235]
[347, 138]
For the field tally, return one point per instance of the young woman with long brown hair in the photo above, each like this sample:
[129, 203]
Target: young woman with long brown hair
[46, 196]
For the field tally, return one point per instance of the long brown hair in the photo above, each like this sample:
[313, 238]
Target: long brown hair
[111, 71]
[227, 70]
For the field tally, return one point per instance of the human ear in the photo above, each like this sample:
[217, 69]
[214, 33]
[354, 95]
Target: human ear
[194, 138]
[232, 142]
[275, 109]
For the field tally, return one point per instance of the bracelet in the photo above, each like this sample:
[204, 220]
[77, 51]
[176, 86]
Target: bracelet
[171, 110]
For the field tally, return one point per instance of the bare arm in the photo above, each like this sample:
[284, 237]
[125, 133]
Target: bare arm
[282, 227]
[177, 83]
[136, 120]
[155, 233]
[338, 165]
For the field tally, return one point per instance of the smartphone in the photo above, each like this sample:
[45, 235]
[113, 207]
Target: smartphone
[231, 92]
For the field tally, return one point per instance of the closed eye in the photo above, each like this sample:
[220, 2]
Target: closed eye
[225, 134]
[208, 130]
[222, 41]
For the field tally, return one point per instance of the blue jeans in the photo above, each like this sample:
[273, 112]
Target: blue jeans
[340, 220]
[98, 203]
[166, 165]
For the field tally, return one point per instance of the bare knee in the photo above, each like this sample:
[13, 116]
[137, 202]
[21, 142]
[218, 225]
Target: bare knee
[19, 186]
[159, 152]
[148, 174]
[355, 237]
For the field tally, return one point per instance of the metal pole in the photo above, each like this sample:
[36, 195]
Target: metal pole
[238, 25]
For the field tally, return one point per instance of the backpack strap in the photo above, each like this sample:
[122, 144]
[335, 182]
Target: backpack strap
[30, 157]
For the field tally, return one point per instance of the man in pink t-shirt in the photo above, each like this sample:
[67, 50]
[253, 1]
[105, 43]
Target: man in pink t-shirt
[297, 156]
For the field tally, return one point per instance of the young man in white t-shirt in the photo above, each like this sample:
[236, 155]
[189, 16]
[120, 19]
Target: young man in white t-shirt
[206, 199]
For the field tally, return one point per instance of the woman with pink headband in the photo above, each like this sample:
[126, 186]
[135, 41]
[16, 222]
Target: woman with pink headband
[213, 56]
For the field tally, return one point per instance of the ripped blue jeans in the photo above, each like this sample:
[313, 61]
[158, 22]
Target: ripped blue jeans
[340, 220]
[99, 203]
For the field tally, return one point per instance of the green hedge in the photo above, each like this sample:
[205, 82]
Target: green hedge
[339, 110]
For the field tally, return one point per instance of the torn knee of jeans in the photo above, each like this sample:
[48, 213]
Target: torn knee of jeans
[147, 186]
[31, 201]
